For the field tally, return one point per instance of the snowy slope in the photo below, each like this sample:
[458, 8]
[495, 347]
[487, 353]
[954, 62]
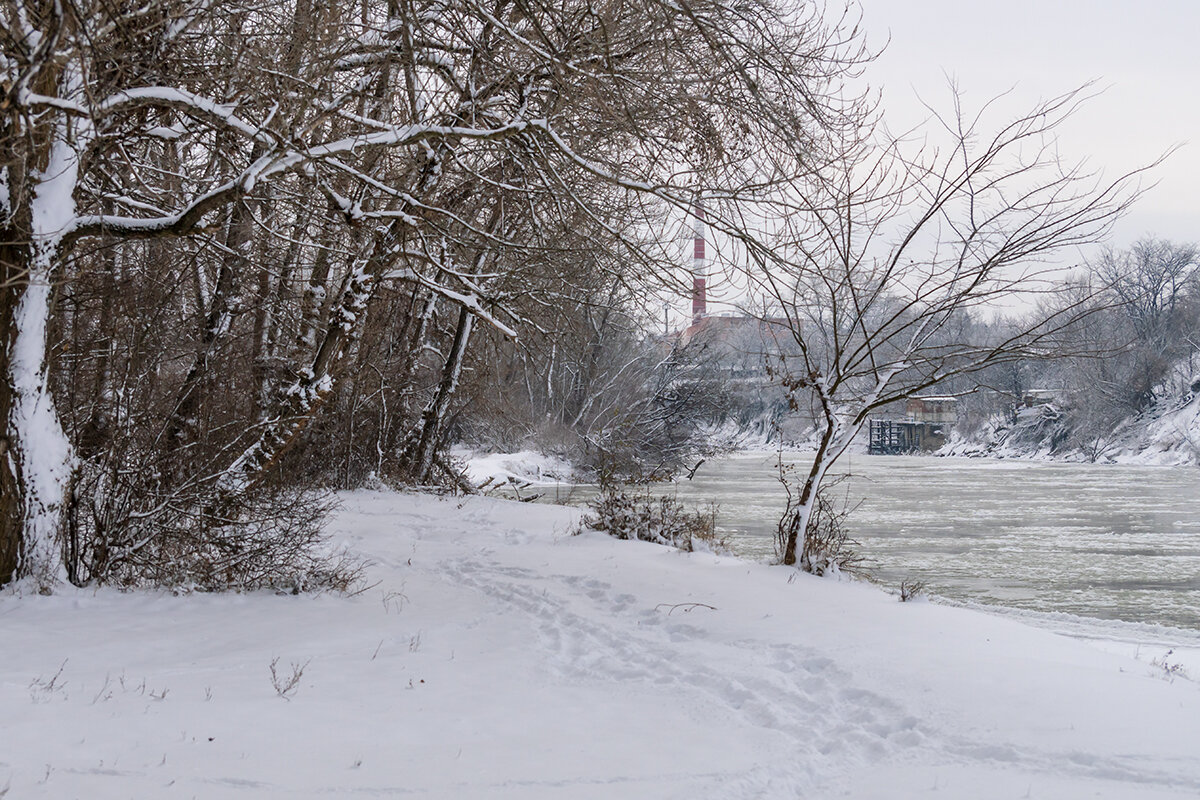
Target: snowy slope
[1167, 434]
[495, 656]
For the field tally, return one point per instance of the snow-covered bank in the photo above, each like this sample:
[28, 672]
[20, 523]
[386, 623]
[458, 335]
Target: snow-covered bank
[1166, 434]
[496, 656]
[523, 467]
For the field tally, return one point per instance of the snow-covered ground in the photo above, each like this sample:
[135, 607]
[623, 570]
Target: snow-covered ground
[524, 467]
[496, 656]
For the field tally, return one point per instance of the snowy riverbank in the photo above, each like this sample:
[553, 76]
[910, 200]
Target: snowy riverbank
[1166, 434]
[496, 656]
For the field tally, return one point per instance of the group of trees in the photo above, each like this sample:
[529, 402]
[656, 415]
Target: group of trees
[248, 247]
[1133, 349]
[1149, 296]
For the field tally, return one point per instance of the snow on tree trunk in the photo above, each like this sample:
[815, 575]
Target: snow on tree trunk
[37, 441]
[39, 456]
[821, 462]
[842, 424]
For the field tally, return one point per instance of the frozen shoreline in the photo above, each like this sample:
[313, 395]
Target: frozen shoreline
[1016, 534]
[1141, 641]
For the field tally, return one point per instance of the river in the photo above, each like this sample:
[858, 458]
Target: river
[1113, 542]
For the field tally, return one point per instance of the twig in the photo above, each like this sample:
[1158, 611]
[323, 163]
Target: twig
[685, 606]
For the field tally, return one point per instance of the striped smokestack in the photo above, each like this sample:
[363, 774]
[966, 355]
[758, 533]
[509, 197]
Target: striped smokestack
[699, 266]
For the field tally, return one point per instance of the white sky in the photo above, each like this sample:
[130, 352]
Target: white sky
[1143, 55]
[1144, 58]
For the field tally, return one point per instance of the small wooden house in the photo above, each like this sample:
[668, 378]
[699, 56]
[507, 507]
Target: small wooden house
[931, 409]
[926, 423]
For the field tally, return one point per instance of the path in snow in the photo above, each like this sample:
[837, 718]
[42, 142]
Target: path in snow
[616, 637]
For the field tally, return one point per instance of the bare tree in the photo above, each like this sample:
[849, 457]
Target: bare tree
[1154, 286]
[1152, 279]
[885, 251]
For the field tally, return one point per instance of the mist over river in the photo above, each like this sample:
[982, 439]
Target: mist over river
[1114, 542]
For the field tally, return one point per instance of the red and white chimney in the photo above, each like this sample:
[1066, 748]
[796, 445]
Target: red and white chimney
[699, 266]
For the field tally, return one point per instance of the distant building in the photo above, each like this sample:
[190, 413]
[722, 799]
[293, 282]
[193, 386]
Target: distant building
[1039, 397]
[733, 346]
[931, 409]
[926, 423]
[736, 346]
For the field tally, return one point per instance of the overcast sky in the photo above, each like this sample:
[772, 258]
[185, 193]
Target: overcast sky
[1143, 55]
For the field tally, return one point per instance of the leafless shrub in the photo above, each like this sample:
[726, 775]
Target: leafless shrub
[395, 600]
[828, 548]
[198, 540]
[105, 693]
[624, 514]
[1170, 669]
[43, 689]
[911, 589]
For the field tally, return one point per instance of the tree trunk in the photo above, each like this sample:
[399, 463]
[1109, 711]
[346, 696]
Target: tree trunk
[808, 496]
[42, 167]
[217, 323]
[433, 418]
[35, 470]
[12, 510]
[304, 398]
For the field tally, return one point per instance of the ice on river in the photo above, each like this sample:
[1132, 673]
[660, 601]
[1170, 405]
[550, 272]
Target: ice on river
[1118, 542]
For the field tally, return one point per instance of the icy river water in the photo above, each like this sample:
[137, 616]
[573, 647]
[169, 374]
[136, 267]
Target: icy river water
[1114, 542]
